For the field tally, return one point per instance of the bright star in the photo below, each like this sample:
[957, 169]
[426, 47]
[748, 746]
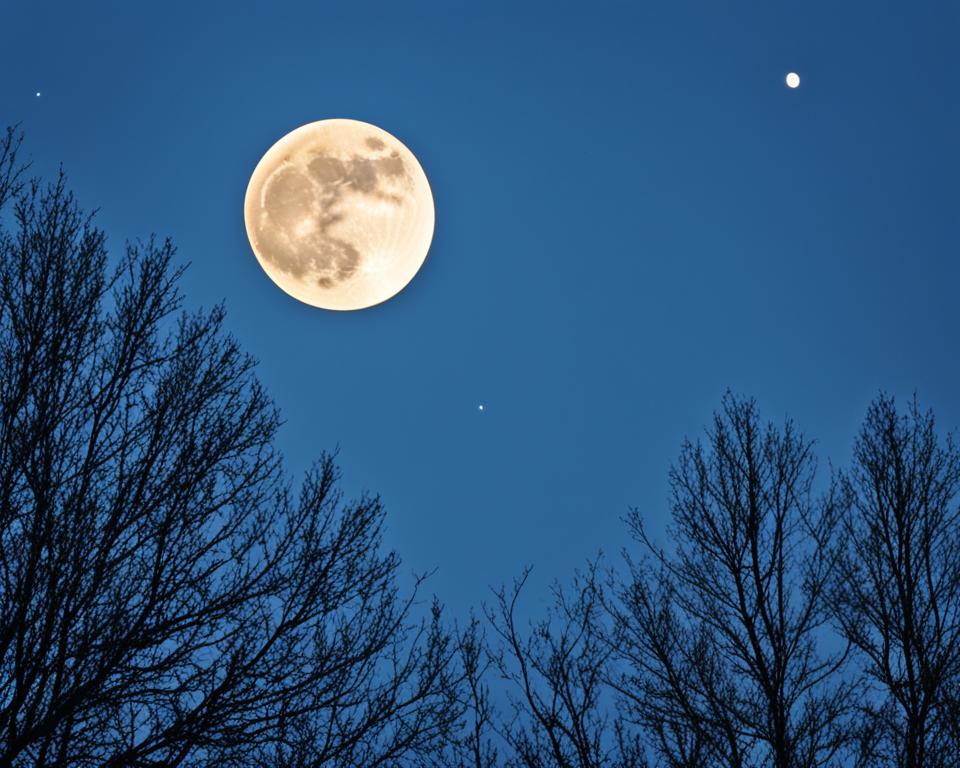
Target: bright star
[480, 407]
[793, 80]
[38, 94]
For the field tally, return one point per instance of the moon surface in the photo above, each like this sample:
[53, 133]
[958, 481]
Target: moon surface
[339, 214]
[793, 80]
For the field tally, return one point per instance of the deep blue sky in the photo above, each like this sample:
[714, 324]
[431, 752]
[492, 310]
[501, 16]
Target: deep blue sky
[633, 214]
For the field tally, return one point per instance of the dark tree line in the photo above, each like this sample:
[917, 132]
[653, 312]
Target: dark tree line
[166, 598]
[783, 626]
[169, 596]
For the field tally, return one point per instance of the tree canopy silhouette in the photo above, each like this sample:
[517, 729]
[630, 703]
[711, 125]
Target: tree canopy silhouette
[166, 597]
[719, 636]
[896, 591]
[782, 626]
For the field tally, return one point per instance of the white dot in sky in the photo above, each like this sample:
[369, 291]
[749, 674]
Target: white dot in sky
[480, 407]
[793, 80]
[38, 94]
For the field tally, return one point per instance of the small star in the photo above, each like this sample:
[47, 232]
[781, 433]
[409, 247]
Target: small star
[38, 94]
[480, 407]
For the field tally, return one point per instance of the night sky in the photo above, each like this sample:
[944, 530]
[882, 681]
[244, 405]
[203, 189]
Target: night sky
[634, 213]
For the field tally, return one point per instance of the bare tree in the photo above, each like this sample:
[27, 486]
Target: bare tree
[896, 593]
[475, 744]
[165, 598]
[719, 638]
[558, 672]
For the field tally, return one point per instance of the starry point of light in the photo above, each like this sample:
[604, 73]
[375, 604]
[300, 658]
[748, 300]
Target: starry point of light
[480, 407]
[793, 80]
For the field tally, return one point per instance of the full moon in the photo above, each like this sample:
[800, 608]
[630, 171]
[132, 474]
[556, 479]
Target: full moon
[339, 214]
[793, 80]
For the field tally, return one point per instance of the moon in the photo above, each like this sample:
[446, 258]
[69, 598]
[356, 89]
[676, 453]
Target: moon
[793, 80]
[339, 214]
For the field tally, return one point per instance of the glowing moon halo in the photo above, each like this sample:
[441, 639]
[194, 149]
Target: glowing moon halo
[793, 80]
[339, 214]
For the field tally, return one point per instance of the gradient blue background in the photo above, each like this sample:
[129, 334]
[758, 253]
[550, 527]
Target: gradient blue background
[633, 214]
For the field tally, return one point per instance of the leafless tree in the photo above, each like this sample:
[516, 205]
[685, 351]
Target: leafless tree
[557, 673]
[165, 597]
[475, 744]
[719, 637]
[897, 591]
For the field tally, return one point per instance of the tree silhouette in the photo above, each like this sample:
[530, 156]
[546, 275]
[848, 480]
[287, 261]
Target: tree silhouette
[897, 589]
[165, 597]
[474, 745]
[724, 649]
[718, 639]
[557, 673]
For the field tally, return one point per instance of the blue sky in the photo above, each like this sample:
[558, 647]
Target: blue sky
[633, 214]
